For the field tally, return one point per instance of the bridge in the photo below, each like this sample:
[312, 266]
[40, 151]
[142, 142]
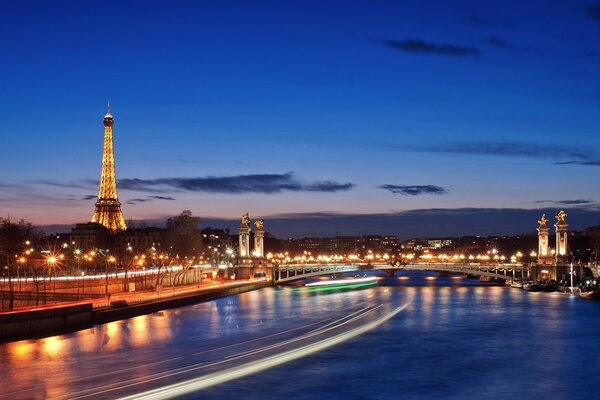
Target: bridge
[292, 272]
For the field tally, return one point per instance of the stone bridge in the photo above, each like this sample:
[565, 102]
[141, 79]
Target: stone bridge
[292, 272]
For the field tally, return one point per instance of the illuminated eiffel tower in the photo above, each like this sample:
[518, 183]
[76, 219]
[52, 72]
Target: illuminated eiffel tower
[108, 209]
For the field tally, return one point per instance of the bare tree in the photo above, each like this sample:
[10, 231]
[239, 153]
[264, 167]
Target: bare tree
[13, 238]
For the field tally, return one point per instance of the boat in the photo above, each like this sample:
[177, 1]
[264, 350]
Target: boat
[346, 283]
[593, 294]
[516, 284]
[566, 289]
[549, 287]
[532, 287]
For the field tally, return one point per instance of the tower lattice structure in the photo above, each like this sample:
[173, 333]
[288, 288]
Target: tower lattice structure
[108, 208]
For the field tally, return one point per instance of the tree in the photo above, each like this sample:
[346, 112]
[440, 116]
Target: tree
[14, 236]
[183, 236]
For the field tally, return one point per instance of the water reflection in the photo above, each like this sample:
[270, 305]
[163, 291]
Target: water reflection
[444, 335]
[54, 346]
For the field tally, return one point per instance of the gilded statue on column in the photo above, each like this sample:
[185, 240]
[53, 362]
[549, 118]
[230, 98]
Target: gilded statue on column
[245, 219]
[543, 221]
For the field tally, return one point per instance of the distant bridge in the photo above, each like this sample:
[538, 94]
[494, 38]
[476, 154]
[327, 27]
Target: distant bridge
[292, 272]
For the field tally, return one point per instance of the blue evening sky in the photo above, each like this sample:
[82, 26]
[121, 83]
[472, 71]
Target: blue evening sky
[293, 107]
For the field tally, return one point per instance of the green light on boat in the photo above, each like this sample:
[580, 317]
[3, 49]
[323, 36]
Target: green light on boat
[337, 287]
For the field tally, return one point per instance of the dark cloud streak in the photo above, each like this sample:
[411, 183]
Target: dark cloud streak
[593, 11]
[257, 183]
[237, 184]
[566, 202]
[497, 42]
[417, 46]
[561, 155]
[414, 190]
[136, 201]
[149, 198]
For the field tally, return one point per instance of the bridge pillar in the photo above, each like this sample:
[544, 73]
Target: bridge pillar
[561, 238]
[244, 238]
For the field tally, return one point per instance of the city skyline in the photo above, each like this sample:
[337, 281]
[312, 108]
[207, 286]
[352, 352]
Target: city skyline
[350, 118]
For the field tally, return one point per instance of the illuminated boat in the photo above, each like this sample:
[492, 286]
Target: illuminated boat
[590, 294]
[349, 283]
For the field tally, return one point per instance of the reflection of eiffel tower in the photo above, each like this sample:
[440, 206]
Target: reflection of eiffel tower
[108, 209]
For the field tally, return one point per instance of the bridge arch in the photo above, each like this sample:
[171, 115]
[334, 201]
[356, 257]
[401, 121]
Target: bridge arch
[289, 273]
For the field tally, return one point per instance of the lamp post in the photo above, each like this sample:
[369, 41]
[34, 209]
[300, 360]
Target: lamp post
[126, 282]
[571, 276]
[11, 299]
[110, 259]
[51, 261]
[22, 261]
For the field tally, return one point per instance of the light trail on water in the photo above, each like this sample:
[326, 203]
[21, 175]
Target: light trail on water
[203, 382]
[101, 390]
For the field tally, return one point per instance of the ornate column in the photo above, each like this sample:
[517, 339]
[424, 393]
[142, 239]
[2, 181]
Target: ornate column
[244, 234]
[561, 226]
[259, 234]
[542, 238]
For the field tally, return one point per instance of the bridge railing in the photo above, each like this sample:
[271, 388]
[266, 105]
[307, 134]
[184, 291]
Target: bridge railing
[290, 272]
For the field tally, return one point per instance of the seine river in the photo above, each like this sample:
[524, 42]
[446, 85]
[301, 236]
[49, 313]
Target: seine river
[412, 338]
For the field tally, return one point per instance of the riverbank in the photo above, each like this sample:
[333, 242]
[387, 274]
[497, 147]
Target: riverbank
[48, 321]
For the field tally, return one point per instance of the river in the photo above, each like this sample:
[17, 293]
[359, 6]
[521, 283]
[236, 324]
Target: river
[407, 338]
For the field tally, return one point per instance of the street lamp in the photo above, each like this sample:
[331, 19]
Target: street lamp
[22, 261]
[51, 261]
[110, 259]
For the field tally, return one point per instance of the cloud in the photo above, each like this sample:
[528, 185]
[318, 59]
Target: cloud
[593, 11]
[566, 202]
[420, 47]
[237, 184]
[561, 155]
[81, 184]
[149, 198]
[580, 162]
[497, 42]
[420, 223]
[414, 190]
[257, 183]
[136, 201]
[82, 197]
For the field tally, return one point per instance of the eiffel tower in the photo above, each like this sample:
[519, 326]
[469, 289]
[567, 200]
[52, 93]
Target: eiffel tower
[108, 209]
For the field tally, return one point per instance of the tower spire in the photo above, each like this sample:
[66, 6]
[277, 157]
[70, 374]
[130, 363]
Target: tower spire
[108, 208]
